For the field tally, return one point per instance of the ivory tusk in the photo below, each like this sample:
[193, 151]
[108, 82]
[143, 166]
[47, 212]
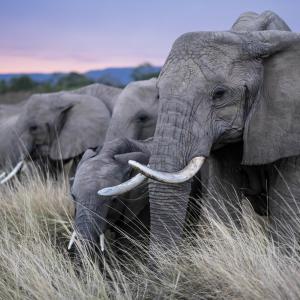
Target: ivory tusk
[15, 170]
[176, 177]
[72, 240]
[2, 175]
[123, 187]
[102, 239]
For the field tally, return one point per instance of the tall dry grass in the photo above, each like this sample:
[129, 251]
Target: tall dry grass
[222, 262]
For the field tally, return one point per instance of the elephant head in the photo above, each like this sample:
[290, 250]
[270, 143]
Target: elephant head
[134, 116]
[57, 126]
[218, 88]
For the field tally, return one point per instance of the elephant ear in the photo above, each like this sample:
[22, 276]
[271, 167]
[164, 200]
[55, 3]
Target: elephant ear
[84, 126]
[272, 130]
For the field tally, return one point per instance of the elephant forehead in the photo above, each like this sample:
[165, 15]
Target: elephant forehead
[139, 90]
[91, 175]
[37, 103]
[211, 53]
[210, 58]
[184, 76]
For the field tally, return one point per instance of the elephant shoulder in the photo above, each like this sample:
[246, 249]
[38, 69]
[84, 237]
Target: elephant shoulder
[107, 94]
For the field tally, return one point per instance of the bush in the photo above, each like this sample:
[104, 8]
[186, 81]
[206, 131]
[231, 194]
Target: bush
[3, 87]
[22, 83]
[143, 72]
[72, 80]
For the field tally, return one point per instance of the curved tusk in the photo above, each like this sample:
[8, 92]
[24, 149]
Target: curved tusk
[102, 245]
[176, 177]
[72, 240]
[2, 175]
[123, 187]
[15, 170]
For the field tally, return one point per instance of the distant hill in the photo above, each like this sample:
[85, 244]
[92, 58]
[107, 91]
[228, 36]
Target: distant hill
[121, 76]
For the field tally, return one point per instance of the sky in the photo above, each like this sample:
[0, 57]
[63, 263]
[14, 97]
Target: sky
[81, 35]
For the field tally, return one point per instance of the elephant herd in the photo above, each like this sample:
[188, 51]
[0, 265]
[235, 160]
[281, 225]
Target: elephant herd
[221, 120]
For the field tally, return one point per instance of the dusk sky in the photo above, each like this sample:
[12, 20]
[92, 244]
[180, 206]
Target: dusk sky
[80, 35]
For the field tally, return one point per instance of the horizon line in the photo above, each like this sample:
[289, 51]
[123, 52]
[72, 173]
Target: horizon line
[76, 71]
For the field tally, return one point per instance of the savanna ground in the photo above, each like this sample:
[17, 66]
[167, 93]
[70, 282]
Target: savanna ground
[225, 263]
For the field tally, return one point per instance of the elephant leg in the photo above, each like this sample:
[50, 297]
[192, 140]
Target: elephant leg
[222, 182]
[133, 236]
[284, 200]
[255, 188]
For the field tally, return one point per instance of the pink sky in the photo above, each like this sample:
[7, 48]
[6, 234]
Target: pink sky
[28, 64]
[82, 35]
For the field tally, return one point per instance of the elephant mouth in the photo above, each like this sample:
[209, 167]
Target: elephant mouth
[99, 244]
[39, 150]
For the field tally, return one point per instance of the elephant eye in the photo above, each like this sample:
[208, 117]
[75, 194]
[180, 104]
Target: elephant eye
[219, 93]
[73, 197]
[143, 118]
[33, 128]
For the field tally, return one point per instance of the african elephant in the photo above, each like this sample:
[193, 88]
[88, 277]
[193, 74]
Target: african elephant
[216, 89]
[52, 128]
[134, 116]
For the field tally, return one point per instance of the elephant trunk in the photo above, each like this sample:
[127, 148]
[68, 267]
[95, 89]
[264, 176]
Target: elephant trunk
[168, 202]
[91, 222]
[168, 209]
[176, 146]
[15, 150]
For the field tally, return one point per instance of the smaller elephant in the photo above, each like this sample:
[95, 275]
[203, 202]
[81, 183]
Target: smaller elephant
[51, 128]
[134, 116]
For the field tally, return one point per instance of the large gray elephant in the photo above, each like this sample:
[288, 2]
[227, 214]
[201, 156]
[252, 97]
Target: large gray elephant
[134, 116]
[216, 89]
[53, 128]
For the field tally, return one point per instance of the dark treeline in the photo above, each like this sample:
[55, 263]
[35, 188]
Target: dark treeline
[25, 83]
